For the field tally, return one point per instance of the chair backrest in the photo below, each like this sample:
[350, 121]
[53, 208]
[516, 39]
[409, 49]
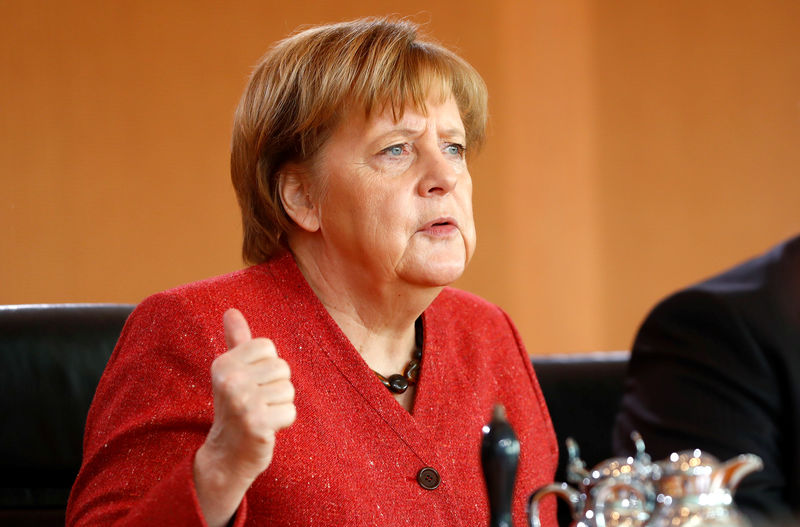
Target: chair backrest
[51, 359]
[583, 392]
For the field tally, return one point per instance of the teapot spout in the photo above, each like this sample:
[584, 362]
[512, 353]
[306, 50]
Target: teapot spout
[729, 474]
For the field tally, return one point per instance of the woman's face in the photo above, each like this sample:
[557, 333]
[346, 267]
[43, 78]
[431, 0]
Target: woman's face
[397, 198]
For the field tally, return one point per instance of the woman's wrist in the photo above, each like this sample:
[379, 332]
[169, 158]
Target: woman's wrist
[219, 490]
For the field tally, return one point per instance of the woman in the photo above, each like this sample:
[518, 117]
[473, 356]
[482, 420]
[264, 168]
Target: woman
[348, 160]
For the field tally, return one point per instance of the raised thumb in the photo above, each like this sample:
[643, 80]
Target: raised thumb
[236, 329]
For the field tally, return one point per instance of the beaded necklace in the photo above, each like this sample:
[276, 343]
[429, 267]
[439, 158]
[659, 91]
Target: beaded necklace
[399, 382]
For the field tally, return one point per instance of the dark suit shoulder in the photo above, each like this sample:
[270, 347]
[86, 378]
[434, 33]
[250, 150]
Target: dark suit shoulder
[763, 292]
[775, 272]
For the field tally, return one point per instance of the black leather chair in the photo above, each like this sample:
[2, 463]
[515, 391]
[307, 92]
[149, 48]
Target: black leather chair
[583, 392]
[52, 356]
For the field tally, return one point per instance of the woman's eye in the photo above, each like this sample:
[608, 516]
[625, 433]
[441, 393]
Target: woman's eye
[455, 149]
[394, 150]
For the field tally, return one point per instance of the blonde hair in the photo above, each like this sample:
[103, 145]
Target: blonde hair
[303, 86]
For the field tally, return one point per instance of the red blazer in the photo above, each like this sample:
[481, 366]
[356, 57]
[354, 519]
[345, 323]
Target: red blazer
[352, 456]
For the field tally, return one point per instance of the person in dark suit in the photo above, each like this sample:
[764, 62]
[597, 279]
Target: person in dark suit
[717, 367]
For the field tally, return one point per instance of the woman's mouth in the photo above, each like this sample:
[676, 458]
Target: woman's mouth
[440, 227]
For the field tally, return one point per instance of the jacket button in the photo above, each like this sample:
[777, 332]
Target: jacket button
[428, 478]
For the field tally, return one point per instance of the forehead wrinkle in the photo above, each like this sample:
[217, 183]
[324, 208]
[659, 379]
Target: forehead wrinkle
[409, 123]
[403, 132]
[424, 123]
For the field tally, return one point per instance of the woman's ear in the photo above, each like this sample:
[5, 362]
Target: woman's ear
[293, 186]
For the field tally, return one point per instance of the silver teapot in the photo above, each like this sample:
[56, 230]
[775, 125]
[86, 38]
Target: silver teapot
[696, 489]
[619, 492]
[690, 488]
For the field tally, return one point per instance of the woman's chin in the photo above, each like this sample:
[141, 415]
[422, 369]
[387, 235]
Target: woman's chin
[433, 273]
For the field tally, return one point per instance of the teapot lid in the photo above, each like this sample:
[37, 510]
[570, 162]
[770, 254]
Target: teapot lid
[622, 468]
[689, 463]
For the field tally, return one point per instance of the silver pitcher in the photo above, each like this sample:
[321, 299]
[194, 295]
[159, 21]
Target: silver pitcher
[688, 489]
[618, 492]
[696, 489]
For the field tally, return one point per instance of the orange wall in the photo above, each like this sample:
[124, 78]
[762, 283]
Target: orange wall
[634, 147]
[698, 142]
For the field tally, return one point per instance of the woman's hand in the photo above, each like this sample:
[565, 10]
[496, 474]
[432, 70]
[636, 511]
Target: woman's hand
[253, 399]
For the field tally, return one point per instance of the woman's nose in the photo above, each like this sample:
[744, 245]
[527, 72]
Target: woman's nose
[439, 175]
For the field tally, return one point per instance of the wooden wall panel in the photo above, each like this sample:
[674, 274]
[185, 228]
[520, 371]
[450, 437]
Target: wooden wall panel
[634, 146]
[698, 143]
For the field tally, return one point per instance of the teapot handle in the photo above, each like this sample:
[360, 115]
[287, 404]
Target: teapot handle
[561, 490]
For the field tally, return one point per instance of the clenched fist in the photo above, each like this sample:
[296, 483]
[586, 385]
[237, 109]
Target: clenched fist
[253, 399]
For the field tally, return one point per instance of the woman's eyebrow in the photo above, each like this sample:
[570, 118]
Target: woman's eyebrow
[408, 131]
[454, 131]
[400, 130]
